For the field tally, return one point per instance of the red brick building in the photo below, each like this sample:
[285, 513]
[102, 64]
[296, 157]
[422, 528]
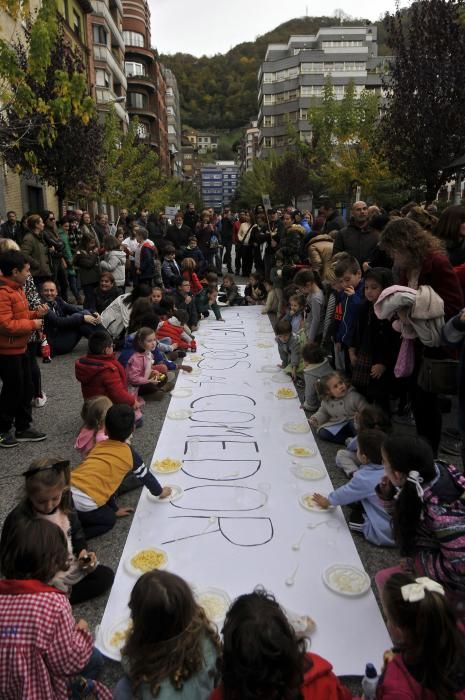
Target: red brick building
[146, 87]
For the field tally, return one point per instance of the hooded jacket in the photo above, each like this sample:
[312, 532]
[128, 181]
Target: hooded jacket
[16, 321]
[320, 253]
[115, 262]
[103, 375]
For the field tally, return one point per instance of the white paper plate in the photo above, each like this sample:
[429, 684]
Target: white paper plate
[194, 358]
[301, 451]
[301, 428]
[269, 369]
[195, 371]
[281, 378]
[176, 493]
[281, 393]
[138, 572]
[180, 414]
[112, 647]
[264, 344]
[308, 473]
[156, 466]
[307, 502]
[181, 393]
[214, 601]
[346, 580]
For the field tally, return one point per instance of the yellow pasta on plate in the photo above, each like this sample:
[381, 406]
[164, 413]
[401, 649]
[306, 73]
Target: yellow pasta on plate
[167, 465]
[146, 560]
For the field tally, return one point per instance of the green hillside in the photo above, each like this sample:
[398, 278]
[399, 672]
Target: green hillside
[221, 92]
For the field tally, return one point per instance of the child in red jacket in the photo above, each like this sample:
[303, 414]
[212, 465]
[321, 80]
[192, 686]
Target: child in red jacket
[175, 329]
[261, 653]
[100, 373]
[188, 267]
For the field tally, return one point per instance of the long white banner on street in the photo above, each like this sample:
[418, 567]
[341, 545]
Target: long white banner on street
[240, 522]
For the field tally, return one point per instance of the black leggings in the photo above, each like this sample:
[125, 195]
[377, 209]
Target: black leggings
[97, 522]
[95, 583]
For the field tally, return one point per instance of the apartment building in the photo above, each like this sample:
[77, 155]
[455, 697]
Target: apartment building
[219, 183]
[203, 141]
[27, 193]
[145, 83]
[173, 113]
[108, 80]
[249, 146]
[293, 75]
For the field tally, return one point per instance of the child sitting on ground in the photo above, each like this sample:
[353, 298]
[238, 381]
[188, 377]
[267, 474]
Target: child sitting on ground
[288, 348]
[295, 312]
[230, 295]
[144, 376]
[370, 518]
[93, 430]
[175, 329]
[255, 292]
[426, 500]
[100, 373]
[45, 648]
[106, 292]
[188, 267]
[334, 420]
[95, 481]
[47, 496]
[183, 299]
[316, 366]
[262, 653]
[428, 658]
[168, 625]
[206, 301]
[272, 299]
[372, 417]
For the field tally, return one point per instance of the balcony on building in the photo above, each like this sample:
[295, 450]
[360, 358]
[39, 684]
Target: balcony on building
[106, 99]
[102, 54]
[139, 103]
[102, 9]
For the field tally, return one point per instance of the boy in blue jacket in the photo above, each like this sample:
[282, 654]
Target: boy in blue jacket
[350, 300]
[374, 522]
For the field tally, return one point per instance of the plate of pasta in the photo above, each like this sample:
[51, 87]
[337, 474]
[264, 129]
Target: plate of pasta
[145, 560]
[166, 465]
[176, 493]
[181, 393]
[214, 601]
[308, 502]
[281, 378]
[286, 393]
[116, 637]
[180, 414]
[346, 580]
[301, 451]
[296, 427]
[308, 473]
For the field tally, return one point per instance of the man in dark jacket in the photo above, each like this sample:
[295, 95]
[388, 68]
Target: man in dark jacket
[227, 222]
[357, 239]
[65, 324]
[334, 220]
[10, 228]
[191, 217]
[178, 234]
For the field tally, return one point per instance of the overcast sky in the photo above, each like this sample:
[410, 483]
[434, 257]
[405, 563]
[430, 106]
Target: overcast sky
[206, 27]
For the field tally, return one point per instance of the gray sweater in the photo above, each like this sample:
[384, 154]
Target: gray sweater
[312, 374]
[289, 352]
[334, 411]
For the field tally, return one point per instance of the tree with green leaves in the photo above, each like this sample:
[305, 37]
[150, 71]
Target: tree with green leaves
[422, 129]
[129, 174]
[43, 87]
[256, 182]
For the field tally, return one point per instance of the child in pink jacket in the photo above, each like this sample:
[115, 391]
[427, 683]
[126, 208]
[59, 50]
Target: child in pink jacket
[143, 375]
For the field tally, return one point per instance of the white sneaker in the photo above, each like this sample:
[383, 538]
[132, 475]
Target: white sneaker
[40, 401]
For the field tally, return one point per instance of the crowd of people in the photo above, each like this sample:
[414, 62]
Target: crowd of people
[369, 321]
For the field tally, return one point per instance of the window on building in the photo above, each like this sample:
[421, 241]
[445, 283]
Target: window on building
[337, 44]
[137, 100]
[268, 77]
[131, 68]
[170, 111]
[268, 99]
[99, 34]
[133, 39]
[142, 130]
[169, 92]
[268, 120]
[171, 129]
[268, 142]
[187, 156]
[77, 24]
[102, 78]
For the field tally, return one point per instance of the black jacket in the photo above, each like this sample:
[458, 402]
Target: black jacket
[360, 243]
